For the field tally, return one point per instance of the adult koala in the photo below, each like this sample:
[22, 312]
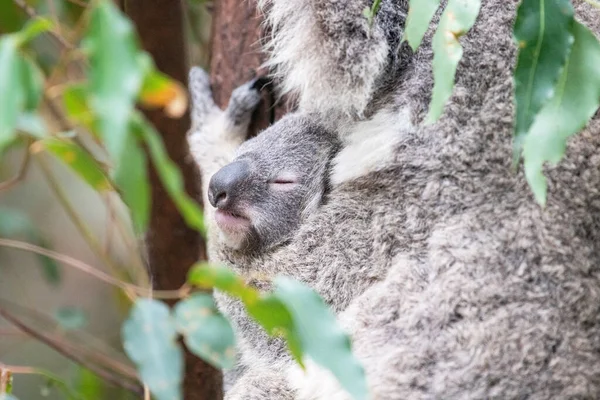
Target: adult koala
[451, 279]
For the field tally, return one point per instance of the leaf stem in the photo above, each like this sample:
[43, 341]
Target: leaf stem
[20, 174]
[21, 370]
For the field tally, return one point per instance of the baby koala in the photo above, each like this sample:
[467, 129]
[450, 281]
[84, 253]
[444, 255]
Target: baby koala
[256, 192]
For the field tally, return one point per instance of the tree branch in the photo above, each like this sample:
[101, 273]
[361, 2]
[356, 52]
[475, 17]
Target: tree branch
[108, 376]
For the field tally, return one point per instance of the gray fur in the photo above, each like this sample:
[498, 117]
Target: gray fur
[452, 281]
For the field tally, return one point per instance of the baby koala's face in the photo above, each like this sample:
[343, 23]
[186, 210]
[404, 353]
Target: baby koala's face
[274, 182]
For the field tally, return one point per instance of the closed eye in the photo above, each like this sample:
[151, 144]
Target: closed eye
[284, 182]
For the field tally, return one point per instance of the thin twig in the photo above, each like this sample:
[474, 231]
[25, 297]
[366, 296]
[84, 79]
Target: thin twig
[74, 340]
[20, 174]
[75, 218]
[80, 265]
[58, 347]
[30, 11]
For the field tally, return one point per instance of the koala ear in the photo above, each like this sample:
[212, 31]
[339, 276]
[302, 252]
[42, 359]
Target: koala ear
[202, 103]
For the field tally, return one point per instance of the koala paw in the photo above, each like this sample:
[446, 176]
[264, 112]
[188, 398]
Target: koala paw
[201, 95]
[244, 101]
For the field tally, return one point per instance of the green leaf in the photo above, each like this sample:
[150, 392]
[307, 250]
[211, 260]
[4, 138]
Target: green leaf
[75, 102]
[32, 124]
[32, 81]
[267, 310]
[21, 85]
[12, 96]
[89, 385]
[543, 33]
[458, 17]
[70, 318]
[371, 13]
[132, 180]
[33, 28]
[576, 99]
[208, 276]
[205, 331]
[115, 74]
[169, 174]
[420, 13]
[14, 223]
[150, 340]
[320, 336]
[81, 162]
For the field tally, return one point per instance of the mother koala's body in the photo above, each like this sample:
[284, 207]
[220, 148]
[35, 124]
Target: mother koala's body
[452, 281]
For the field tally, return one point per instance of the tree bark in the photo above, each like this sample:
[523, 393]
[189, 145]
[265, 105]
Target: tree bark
[172, 247]
[236, 57]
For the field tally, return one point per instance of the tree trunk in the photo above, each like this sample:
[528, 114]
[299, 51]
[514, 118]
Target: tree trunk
[236, 57]
[172, 246]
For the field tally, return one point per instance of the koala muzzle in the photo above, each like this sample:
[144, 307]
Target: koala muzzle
[226, 184]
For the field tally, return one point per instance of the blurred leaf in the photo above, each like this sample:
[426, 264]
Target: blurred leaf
[70, 318]
[150, 340]
[33, 28]
[13, 223]
[206, 332]
[12, 96]
[21, 85]
[208, 276]
[371, 13]
[458, 17]
[320, 335]
[576, 99]
[32, 80]
[89, 385]
[169, 174]
[82, 163]
[76, 105]
[32, 124]
[420, 13]
[160, 91]
[132, 180]
[267, 310]
[115, 74]
[543, 33]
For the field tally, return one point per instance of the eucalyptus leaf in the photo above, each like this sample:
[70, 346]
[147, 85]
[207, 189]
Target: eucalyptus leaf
[420, 13]
[12, 95]
[80, 162]
[543, 34]
[132, 180]
[115, 75]
[70, 318]
[320, 335]
[33, 28]
[150, 340]
[576, 99]
[169, 173]
[206, 332]
[458, 17]
[265, 309]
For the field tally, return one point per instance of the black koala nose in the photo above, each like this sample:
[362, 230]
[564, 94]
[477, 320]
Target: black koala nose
[225, 184]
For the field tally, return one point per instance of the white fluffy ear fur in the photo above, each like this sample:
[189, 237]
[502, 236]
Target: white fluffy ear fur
[317, 64]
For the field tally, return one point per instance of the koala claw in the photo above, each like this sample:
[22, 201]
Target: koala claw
[244, 100]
